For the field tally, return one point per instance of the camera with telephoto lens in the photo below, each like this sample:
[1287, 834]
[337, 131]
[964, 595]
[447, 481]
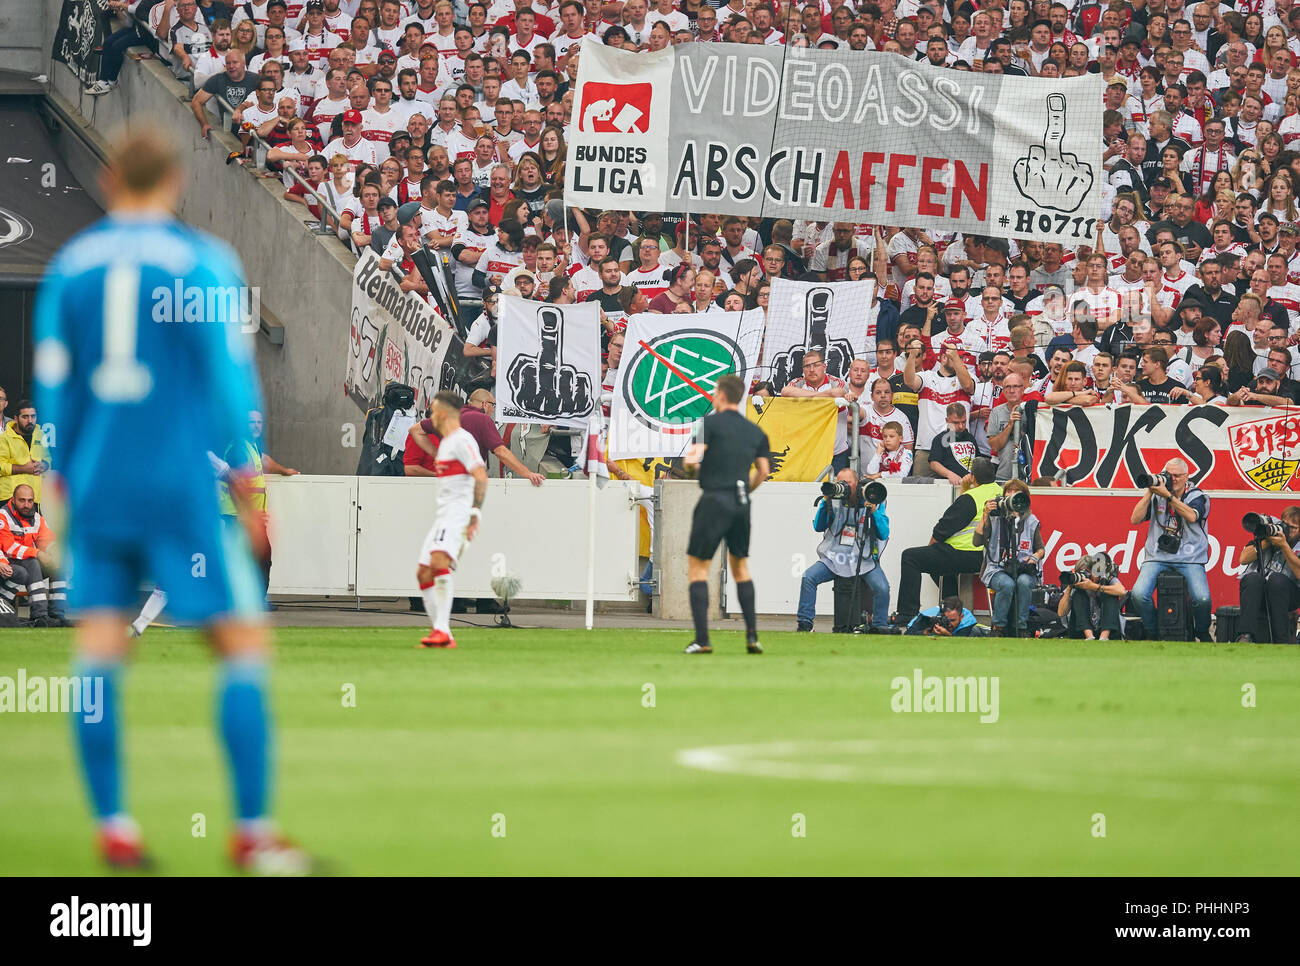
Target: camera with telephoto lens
[1097, 567]
[1017, 502]
[1147, 481]
[835, 489]
[872, 491]
[1263, 526]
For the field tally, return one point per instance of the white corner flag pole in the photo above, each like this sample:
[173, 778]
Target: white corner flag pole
[591, 546]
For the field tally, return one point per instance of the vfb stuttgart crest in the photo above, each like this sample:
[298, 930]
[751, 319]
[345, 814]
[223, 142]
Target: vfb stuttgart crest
[671, 379]
[1267, 452]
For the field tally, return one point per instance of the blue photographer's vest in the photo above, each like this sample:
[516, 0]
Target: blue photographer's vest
[1194, 546]
[839, 548]
[1026, 529]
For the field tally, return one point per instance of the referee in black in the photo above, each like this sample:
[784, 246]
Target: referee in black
[727, 446]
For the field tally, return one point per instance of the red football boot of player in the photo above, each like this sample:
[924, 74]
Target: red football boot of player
[121, 846]
[439, 639]
[268, 854]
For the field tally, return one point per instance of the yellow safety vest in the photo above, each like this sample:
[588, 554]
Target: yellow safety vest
[964, 539]
[256, 483]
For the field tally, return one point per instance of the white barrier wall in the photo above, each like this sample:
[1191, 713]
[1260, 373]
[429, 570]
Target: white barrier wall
[783, 543]
[346, 535]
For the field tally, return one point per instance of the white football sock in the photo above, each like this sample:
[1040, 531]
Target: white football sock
[150, 611]
[443, 595]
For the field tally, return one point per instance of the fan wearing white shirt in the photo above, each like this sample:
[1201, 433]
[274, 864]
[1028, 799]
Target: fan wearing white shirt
[440, 223]
[520, 87]
[380, 122]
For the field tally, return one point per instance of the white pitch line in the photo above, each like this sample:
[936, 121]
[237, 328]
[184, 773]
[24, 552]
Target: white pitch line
[778, 760]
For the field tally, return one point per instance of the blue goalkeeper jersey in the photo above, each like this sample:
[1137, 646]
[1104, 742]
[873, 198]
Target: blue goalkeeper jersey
[143, 366]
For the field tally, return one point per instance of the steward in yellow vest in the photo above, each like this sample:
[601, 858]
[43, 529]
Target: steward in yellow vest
[952, 549]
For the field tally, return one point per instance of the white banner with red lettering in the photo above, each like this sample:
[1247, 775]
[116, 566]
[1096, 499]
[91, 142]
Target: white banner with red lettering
[1078, 522]
[790, 132]
[1225, 447]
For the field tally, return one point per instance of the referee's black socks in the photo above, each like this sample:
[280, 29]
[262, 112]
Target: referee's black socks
[745, 594]
[700, 609]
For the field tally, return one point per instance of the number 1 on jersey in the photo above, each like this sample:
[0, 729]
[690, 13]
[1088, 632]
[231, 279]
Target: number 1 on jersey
[120, 377]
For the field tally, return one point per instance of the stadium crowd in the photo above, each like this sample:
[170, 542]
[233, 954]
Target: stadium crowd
[453, 118]
[445, 124]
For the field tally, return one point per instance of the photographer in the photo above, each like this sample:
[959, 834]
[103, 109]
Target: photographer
[852, 515]
[1013, 553]
[1177, 540]
[948, 619]
[1092, 599]
[1270, 578]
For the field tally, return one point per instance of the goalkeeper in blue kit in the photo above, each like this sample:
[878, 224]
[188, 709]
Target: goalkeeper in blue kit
[140, 393]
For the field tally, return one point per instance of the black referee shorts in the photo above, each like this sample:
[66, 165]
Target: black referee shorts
[719, 516]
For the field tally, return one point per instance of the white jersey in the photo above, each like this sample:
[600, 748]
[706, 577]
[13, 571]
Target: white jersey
[458, 457]
[1104, 304]
[380, 126]
[937, 392]
[871, 425]
[362, 151]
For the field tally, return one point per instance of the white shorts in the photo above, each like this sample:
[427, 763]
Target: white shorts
[447, 535]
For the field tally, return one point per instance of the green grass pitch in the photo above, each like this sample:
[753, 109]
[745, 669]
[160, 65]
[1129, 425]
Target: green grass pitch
[545, 736]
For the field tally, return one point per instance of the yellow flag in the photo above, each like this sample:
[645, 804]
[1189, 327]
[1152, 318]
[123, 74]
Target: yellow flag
[801, 434]
[646, 471]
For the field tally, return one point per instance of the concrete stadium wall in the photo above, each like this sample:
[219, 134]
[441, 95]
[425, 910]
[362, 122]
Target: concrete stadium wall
[23, 36]
[304, 278]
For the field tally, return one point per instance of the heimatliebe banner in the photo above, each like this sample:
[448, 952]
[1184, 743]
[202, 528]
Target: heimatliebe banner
[396, 336]
[787, 132]
[1225, 447]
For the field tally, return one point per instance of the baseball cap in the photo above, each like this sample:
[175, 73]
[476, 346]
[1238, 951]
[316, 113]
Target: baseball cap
[352, 116]
[407, 211]
[314, 5]
[478, 203]
[1162, 183]
[297, 45]
[1289, 228]
[954, 303]
[387, 202]
[1265, 375]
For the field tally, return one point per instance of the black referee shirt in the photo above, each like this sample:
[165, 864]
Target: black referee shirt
[734, 443]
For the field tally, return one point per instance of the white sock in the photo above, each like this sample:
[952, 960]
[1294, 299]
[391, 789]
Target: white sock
[430, 595]
[442, 595]
[150, 611]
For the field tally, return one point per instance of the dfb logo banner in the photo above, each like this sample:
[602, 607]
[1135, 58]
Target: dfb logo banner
[670, 368]
[548, 361]
[836, 318]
